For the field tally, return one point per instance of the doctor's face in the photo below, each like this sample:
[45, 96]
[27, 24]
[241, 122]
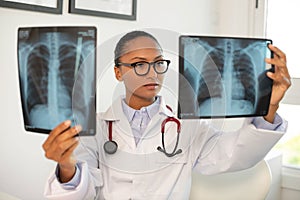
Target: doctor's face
[142, 88]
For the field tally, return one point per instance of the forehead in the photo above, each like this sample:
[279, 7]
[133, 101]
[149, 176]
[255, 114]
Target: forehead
[141, 43]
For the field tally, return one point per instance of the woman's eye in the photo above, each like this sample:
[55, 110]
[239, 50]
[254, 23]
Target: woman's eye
[160, 63]
[141, 64]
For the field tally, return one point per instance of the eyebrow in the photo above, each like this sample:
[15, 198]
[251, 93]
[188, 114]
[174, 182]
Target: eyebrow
[142, 58]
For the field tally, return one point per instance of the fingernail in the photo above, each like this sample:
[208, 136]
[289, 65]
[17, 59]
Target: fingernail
[287, 80]
[67, 122]
[78, 128]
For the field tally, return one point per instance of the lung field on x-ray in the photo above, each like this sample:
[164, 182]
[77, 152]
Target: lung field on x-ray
[224, 74]
[50, 63]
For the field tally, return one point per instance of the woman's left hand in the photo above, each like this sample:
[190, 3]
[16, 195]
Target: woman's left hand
[281, 77]
[281, 80]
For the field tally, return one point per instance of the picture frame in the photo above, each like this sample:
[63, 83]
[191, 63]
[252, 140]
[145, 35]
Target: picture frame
[119, 9]
[46, 6]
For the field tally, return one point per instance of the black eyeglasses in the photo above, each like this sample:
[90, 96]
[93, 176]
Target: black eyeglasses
[142, 68]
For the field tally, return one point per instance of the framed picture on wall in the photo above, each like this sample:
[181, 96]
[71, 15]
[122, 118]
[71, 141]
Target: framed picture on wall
[47, 6]
[120, 9]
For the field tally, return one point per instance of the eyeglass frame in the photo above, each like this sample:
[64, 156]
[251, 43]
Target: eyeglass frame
[149, 65]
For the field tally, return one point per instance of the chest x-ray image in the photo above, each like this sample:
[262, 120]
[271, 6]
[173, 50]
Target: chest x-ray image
[57, 77]
[223, 77]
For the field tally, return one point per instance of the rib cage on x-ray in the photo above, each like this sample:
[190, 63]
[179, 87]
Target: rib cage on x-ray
[52, 64]
[239, 74]
[49, 67]
[225, 69]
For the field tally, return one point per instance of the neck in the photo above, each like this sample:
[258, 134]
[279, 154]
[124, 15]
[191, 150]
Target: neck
[138, 103]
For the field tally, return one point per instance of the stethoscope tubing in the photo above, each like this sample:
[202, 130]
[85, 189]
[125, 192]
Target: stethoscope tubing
[110, 146]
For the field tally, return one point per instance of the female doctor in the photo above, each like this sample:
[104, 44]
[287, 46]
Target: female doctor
[130, 157]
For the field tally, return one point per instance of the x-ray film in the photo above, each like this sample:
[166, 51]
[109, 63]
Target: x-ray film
[223, 77]
[57, 72]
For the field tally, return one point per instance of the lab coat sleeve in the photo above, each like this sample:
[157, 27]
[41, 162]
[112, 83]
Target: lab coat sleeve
[261, 123]
[237, 150]
[90, 175]
[85, 190]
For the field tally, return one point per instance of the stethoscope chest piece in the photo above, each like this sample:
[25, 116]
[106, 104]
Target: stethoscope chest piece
[110, 147]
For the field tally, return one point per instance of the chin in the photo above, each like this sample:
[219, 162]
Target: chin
[148, 96]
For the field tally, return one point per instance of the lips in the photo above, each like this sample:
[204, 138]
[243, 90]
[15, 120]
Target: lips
[151, 85]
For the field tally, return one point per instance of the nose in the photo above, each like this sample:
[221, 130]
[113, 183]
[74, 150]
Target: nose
[152, 72]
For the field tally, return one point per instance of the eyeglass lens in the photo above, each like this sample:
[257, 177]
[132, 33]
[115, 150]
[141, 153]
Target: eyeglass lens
[160, 67]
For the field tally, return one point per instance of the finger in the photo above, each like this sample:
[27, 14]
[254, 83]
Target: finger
[287, 80]
[279, 61]
[276, 75]
[55, 132]
[69, 152]
[276, 61]
[58, 150]
[63, 147]
[279, 78]
[283, 70]
[271, 75]
[279, 57]
[70, 133]
[277, 52]
[280, 66]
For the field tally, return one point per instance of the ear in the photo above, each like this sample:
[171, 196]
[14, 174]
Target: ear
[118, 73]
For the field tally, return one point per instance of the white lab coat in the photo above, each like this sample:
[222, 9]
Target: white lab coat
[142, 172]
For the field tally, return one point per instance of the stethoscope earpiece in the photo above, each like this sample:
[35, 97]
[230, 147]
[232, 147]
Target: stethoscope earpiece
[179, 151]
[169, 154]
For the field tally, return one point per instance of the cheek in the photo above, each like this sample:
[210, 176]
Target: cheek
[131, 81]
[161, 78]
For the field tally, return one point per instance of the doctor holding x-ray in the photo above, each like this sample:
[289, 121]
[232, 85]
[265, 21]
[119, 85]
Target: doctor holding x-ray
[141, 150]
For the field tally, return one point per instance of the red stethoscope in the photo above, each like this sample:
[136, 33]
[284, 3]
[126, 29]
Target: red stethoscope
[111, 146]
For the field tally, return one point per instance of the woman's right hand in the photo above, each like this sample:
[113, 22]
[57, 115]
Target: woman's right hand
[60, 145]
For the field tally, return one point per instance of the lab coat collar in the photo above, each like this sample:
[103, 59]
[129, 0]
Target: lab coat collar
[115, 112]
[151, 110]
[165, 109]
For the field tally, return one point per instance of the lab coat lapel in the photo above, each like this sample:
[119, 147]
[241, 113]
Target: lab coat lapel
[156, 121]
[121, 127]
[152, 135]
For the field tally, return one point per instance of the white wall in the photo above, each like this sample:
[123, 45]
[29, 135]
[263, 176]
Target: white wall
[241, 18]
[23, 168]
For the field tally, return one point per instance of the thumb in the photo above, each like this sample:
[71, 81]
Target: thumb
[271, 75]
